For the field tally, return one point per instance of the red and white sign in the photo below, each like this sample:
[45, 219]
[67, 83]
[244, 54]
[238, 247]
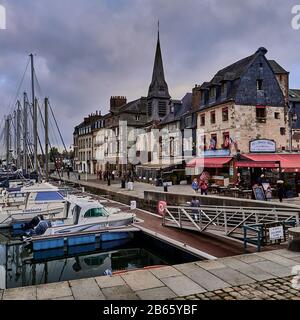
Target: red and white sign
[161, 207]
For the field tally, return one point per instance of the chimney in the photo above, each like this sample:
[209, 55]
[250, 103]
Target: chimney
[116, 102]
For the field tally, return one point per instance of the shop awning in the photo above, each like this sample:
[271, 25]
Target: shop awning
[217, 162]
[287, 162]
[256, 164]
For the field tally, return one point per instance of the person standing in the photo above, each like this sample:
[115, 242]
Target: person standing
[195, 185]
[268, 194]
[196, 212]
[280, 190]
[203, 187]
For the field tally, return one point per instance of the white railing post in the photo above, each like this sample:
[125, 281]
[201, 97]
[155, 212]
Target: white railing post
[180, 222]
[225, 222]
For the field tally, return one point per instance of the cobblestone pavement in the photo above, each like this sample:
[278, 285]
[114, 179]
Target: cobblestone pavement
[274, 289]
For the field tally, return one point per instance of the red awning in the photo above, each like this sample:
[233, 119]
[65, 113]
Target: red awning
[256, 164]
[288, 162]
[217, 162]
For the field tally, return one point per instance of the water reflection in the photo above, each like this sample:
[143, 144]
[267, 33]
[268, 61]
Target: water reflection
[20, 267]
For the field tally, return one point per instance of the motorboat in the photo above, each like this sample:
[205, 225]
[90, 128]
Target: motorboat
[26, 202]
[85, 214]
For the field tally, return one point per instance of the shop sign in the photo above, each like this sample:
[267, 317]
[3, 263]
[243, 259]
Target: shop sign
[217, 153]
[262, 145]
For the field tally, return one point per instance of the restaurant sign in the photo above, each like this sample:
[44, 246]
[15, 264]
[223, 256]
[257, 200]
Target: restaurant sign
[262, 145]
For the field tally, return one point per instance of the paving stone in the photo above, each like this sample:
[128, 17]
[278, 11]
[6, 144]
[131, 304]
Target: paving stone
[287, 254]
[204, 278]
[273, 268]
[231, 276]
[65, 298]
[247, 269]
[53, 290]
[277, 258]
[215, 298]
[296, 259]
[249, 258]
[141, 280]
[107, 281]
[24, 293]
[161, 293]
[119, 293]
[209, 294]
[182, 285]
[86, 289]
[210, 264]
[165, 272]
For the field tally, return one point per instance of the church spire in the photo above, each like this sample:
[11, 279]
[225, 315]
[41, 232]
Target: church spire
[158, 87]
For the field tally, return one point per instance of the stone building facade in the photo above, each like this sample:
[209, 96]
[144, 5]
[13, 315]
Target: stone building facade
[294, 116]
[84, 144]
[244, 101]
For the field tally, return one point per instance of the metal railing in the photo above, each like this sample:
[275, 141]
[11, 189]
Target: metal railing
[228, 221]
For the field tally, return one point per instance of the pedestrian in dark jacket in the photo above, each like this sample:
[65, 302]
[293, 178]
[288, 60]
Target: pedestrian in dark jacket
[280, 191]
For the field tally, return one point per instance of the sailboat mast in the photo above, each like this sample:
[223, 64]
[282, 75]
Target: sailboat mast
[25, 136]
[18, 133]
[34, 105]
[46, 139]
[7, 136]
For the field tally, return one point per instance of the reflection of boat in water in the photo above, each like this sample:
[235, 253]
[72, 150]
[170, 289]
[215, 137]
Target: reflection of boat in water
[23, 269]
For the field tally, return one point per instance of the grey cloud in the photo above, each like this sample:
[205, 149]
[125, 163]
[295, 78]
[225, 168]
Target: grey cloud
[89, 50]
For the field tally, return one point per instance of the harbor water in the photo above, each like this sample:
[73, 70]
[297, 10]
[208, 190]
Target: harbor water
[20, 266]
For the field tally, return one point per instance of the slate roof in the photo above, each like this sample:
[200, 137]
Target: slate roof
[135, 106]
[277, 69]
[236, 70]
[232, 72]
[294, 95]
[180, 109]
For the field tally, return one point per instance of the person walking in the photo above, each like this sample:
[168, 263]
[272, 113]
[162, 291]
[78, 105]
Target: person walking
[195, 185]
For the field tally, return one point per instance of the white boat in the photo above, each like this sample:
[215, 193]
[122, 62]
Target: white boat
[29, 201]
[87, 215]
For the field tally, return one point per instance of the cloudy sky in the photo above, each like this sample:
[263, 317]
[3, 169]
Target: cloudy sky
[87, 51]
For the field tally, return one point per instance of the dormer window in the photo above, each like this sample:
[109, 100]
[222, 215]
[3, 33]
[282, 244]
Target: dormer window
[223, 89]
[212, 93]
[259, 84]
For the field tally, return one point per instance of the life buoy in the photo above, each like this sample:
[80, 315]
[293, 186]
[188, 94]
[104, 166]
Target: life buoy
[161, 207]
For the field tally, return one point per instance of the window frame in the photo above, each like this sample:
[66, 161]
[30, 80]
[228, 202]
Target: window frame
[225, 109]
[213, 117]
